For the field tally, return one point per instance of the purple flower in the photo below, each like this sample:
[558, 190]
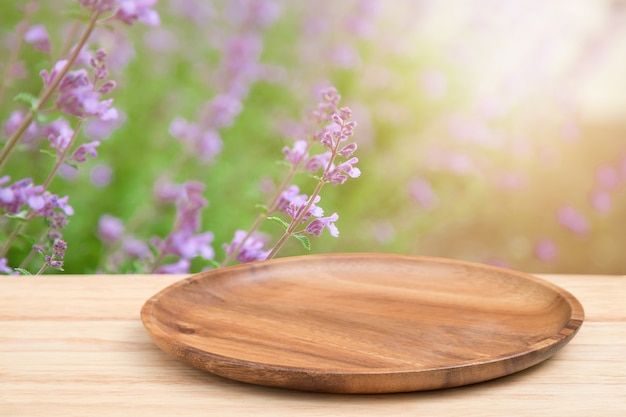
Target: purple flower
[184, 241]
[205, 143]
[58, 249]
[77, 94]
[55, 258]
[607, 177]
[166, 191]
[328, 105]
[139, 10]
[110, 229]
[601, 201]
[290, 196]
[135, 248]
[294, 209]
[100, 5]
[80, 154]
[209, 145]
[296, 154]
[98, 129]
[61, 136]
[189, 204]
[221, 111]
[571, 219]
[317, 162]
[48, 77]
[546, 250]
[13, 123]
[424, 194]
[347, 150]
[256, 14]
[61, 203]
[252, 250]
[179, 267]
[101, 175]
[25, 193]
[37, 36]
[384, 232]
[4, 267]
[340, 174]
[316, 227]
[188, 246]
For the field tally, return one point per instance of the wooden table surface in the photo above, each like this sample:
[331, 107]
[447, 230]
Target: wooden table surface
[75, 346]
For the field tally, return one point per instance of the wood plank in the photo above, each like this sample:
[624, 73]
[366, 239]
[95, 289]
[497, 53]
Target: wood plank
[74, 346]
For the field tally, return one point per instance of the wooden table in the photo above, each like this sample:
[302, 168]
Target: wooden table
[74, 346]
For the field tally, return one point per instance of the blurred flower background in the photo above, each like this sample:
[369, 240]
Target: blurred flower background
[488, 130]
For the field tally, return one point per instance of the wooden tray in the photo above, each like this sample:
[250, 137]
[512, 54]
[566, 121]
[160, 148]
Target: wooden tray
[362, 323]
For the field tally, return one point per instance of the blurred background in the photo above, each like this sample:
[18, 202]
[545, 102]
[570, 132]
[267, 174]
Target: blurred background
[489, 130]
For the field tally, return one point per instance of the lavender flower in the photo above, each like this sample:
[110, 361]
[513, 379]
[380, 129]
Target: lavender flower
[110, 229]
[296, 209]
[24, 194]
[339, 174]
[607, 177]
[55, 258]
[336, 129]
[135, 248]
[4, 267]
[253, 248]
[186, 241]
[546, 250]
[573, 220]
[101, 6]
[422, 191]
[179, 267]
[32, 132]
[601, 201]
[81, 152]
[37, 36]
[205, 143]
[130, 11]
[298, 153]
[316, 227]
[101, 175]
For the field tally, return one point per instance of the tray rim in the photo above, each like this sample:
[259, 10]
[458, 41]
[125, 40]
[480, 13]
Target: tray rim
[544, 348]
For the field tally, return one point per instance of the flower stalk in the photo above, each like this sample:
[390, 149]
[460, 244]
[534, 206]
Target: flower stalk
[48, 91]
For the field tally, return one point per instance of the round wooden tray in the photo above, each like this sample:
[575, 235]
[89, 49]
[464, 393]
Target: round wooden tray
[362, 323]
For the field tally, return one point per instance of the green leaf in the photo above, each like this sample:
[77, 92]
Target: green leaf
[212, 263]
[47, 152]
[284, 163]
[27, 98]
[279, 221]
[18, 216]
[28, 239]
[42, 118]
[22, 271]
[304, 240]
[262, 208]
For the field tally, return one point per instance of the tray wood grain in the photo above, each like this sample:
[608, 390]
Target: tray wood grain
[362, 323]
